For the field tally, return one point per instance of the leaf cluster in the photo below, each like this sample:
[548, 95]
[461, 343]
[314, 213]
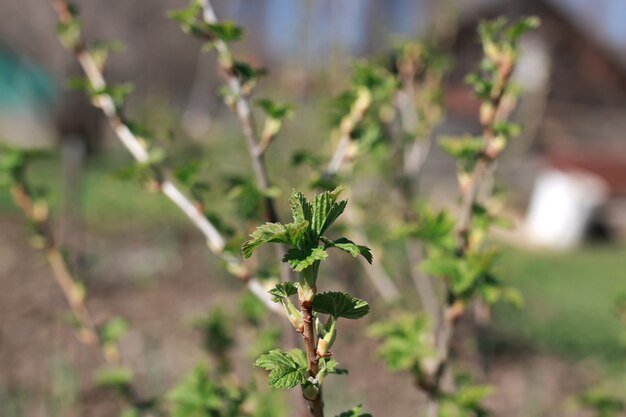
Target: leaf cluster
[192, 23]
[406, 341]
[304, 235]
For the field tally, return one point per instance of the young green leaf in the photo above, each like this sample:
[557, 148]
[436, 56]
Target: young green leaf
[405, 341]
[285, 370]
[465, 149]
[338, 304]
[226, 31]
[274, 110]
[301, 259]
[269, 232]
[283, 290]
[325, 210]
[351, 247]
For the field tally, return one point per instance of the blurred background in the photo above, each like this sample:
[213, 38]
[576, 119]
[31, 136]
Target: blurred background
[564, 178]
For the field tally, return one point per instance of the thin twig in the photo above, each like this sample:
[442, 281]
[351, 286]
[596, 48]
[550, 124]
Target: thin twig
[375, 272]
[316, 405]
[243, 110]
[346, 129]
[39, 216]
[133, 144]
[454, 308]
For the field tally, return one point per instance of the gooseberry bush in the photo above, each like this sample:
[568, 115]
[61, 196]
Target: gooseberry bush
[385, 120]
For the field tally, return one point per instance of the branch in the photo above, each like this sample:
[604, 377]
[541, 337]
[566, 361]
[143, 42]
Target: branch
[256, 148]
[470, 191]
[376, 272]
[492, 110]
[72, 292]
[244, 112]
[133, 144]
[346, 129]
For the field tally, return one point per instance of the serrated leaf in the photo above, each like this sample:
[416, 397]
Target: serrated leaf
[301, 259]
[300, 207]
[269, 232]
[338, 304]
[282, 377]
[274, 358]
[299, 356]
[330, 366]
[325, 210]
[352, 248]
[283, 290]
[285, 371]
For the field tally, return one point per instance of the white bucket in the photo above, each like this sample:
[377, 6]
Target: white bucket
[561, 206]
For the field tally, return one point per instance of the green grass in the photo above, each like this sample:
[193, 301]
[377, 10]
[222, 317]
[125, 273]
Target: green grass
[570, 300]
[107, 203]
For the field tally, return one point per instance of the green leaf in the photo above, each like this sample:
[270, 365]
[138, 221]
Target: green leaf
[355, 412]
[113, 330]
[252, 309]
[114, 377]
[482, 86]
[226, 31]
[301, 259]
[283, 290]
[325, 210]
[330, 366]
[216, 331]
[269, 232]
[188, 15]
[274, 233]
[519, 28]
[188, 172]
[338, 304]
[299, 356]
[352, 248]
[406, 341]
[199, 395]
[300, 207]
[69, 32]
[305, 157]
[247, 74]
[131, 412]
[506, 129]
[285, 371]
[465, 149]
[275, 110]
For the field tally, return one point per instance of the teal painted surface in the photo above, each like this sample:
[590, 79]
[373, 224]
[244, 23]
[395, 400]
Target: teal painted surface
[23, 84]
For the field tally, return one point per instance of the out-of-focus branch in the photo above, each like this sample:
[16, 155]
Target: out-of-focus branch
[243, 110]
[419, 114]
[375, 272]
[346, 128]
[38, 215]
[133, 144]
